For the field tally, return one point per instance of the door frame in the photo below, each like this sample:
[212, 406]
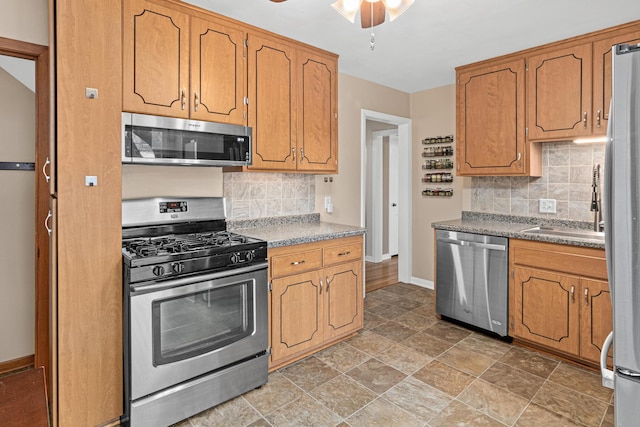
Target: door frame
[40, 55]
[377, 197]
[404, 181]
[393, 188]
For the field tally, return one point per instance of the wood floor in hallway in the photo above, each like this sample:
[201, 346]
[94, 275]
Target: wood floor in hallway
[381, 274]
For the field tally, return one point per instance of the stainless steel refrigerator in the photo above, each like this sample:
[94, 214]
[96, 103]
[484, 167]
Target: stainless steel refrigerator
[622, 234]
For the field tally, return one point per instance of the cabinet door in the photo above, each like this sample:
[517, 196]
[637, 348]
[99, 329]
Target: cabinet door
[490, 120]
[344, 301]
[296, 314]
[218, 78]
[156, 59]
[317, 113]
[595, 318]
[602, 78]
[559, 93]
[272, 103]
[546, 309]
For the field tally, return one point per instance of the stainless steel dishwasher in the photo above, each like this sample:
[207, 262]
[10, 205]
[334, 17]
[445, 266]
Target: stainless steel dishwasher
[471, 279]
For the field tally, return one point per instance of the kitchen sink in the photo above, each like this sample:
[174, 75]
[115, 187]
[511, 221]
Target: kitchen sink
[563, 232]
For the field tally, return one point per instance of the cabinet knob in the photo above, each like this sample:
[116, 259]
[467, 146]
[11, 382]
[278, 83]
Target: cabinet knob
[183, 99]
[293, 153]
[195, 101]
[584, 119]
[573, 294]
[598, 113]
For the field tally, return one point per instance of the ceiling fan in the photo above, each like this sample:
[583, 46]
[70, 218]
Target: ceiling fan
[372, 12]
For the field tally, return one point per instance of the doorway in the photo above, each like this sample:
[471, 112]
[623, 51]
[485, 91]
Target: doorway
[37, 61]
[402, 127]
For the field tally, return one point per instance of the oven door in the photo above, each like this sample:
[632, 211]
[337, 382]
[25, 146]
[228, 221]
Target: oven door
[183, 328]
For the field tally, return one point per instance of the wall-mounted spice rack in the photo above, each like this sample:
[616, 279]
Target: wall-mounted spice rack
[442, 147]
[440, 192]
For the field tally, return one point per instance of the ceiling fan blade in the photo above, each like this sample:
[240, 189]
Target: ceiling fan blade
[371, 14]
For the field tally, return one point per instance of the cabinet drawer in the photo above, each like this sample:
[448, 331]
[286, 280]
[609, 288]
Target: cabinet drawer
[284, 265]
[568, 260]
[342, 253]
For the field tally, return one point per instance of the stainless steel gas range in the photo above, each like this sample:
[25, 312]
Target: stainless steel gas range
[195, 299]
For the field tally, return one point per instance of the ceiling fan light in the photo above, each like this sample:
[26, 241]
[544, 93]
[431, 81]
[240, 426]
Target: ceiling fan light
[347, 8]
[396, 8]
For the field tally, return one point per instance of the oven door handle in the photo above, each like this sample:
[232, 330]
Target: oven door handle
[151, 286]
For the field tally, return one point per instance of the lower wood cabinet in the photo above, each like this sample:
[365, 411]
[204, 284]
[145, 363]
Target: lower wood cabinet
[316, 297]
[559, 298]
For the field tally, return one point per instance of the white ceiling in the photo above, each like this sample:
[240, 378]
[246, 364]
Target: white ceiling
[421, 48]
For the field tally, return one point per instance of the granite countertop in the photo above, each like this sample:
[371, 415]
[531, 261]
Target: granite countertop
[292, 230]
[511, 226]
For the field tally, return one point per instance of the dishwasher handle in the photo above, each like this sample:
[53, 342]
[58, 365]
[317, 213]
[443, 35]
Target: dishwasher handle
[490, 246]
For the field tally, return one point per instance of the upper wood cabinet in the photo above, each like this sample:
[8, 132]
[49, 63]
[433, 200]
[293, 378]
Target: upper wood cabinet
[564, 87]
[569, 89]
[602, 77]
[317, 139]
[292, 107]
[180, 65]
[559, 93]
[490, 121]
[272, 103]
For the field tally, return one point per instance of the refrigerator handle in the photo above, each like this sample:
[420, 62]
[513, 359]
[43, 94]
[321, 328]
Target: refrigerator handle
[607, 374]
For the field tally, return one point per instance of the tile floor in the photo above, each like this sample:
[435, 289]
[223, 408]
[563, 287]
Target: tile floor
[407, 368]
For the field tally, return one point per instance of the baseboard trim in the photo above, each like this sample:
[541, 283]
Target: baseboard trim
[17, 364]
[422, 283]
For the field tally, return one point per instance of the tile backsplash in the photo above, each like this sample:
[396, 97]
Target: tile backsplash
[567, 171]
[258, 195]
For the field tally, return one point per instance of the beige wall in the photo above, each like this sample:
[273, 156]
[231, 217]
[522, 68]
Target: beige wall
[25, 20]
[354, 95]
[153, 181]
[17, 192]
[432, 114]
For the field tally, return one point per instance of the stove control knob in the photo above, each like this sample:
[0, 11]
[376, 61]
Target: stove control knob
[235, 257]
[177, 267]
[158, 270]
[250, 255]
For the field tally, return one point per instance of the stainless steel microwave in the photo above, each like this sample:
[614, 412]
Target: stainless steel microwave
[169, 141]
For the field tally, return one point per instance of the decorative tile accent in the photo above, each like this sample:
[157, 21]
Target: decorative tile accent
[565, 165]
[258, 195]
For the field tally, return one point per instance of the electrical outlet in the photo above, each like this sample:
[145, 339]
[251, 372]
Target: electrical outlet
[547, 206]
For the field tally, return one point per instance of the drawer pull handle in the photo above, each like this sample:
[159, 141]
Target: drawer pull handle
[320, 286]
[573, 294]
[598, 118]
[328, 283]
[298, 262]
[584, 119]
[344, 253]
[586, 297]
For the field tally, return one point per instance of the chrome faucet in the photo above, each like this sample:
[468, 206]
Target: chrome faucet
[596, 202]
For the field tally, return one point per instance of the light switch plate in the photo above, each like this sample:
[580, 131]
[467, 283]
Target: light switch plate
[547, 206]
[91, 181]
